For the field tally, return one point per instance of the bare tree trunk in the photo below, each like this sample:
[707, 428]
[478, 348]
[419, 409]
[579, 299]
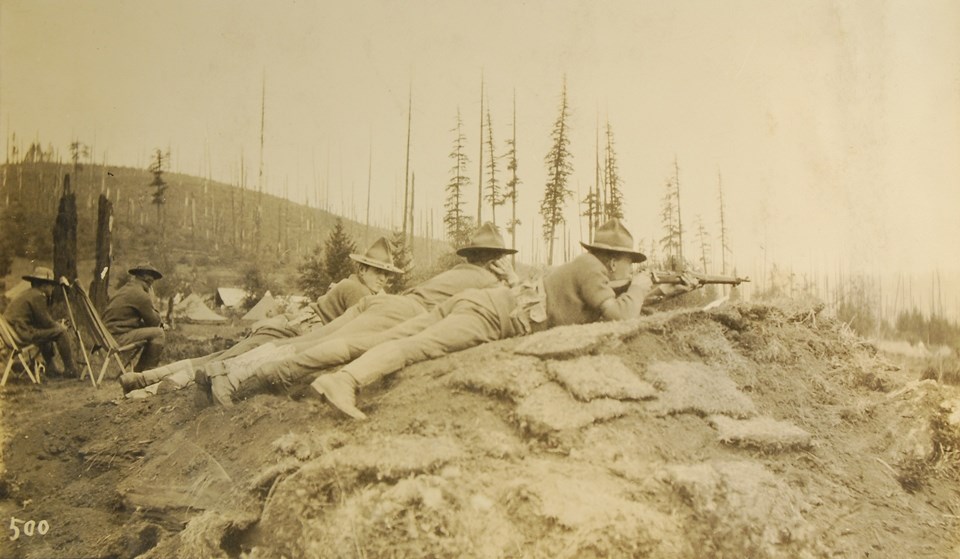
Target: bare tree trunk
[65, 238]
[480, 175]
[99, 286]
[406, 170]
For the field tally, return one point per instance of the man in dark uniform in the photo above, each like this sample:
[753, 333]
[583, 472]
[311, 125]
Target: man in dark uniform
[131, 317]
[29, 315]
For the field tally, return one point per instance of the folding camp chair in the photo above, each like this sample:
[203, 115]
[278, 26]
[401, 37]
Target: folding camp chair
[88, 370]
[18, 351]
[102, 338]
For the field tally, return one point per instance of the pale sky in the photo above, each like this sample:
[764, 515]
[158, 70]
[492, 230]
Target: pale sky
[835, 124]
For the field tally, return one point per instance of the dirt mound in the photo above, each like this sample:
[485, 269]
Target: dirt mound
[744, 431]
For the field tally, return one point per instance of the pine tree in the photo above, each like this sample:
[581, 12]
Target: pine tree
[559, 168]
[611, 173]
[591, 208]
[724, 248]
[311, 279]
[457, 224]
[337, 264]
[510, 192]
[668, 219]
[397, 283]
[704, 239]
[494, 196]
[160, 163]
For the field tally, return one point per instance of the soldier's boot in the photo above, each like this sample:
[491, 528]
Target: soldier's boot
[252, 386]
[132, 381]
[340, 390]
[212, 379]
[135, 381]
[221, 390]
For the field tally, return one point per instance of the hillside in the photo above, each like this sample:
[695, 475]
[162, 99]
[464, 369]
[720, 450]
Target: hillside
[763, 431]
[208, 227]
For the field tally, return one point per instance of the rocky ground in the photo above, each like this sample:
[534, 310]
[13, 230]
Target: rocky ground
[744, 431]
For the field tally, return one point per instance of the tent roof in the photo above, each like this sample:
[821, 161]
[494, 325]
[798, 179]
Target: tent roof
[193, 308]
[262, 309]
[231, 296]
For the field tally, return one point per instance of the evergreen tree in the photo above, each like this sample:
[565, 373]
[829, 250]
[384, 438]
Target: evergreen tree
[559, 168]
[159, 164]
[704, 239]
[591, 209]
[510, 192]
[337, 263]
[457, 224]
[669, 243]
[724, 248]
[310, 276]
[611, 173]
[398, 283]
[494, 196]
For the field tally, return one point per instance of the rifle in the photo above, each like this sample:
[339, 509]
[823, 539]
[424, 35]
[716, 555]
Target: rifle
[695, 279]
[674, 278]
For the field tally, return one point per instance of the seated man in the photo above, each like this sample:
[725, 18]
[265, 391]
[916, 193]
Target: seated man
[578, 292]
[130, 315]
[29, 316]
[485, 267]
[373, 270]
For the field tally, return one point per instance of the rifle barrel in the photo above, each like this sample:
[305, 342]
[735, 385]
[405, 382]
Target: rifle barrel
[702, 279]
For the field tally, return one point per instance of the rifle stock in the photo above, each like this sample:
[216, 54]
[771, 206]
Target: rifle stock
[673, 278]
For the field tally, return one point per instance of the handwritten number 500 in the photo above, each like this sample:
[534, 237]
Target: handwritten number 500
[29, 527]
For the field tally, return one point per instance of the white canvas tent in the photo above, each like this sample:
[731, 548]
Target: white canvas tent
[231, 297]
[262, 309]
[193, 309]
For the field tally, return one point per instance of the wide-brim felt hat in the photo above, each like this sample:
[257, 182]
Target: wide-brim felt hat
[145, 268]
[613, 237]
[378, 256]
[486, 239]
[41, 273]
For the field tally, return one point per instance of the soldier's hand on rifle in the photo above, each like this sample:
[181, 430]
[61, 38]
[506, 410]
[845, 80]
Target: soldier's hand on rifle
[64, 281]
[688, 282]
[642, 282]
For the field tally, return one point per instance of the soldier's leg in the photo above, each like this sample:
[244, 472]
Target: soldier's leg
[55, 337]
[150, 355]
[467, 325]
[257, 339]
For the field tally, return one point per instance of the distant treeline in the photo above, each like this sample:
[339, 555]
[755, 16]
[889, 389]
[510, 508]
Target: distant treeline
[201, 226]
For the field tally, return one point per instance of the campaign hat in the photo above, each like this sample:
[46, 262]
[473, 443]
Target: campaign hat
[485, 239]
[41, 274]
[378, 256]
[145, 268]
[613, 237]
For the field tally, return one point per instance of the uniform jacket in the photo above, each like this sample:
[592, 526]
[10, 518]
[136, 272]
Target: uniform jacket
[345, 294]
[130, 308]
[29, 314]
[446, 284]
[577, 290]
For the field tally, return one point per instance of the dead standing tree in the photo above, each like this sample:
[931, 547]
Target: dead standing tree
[104, 255]
[65, 237]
